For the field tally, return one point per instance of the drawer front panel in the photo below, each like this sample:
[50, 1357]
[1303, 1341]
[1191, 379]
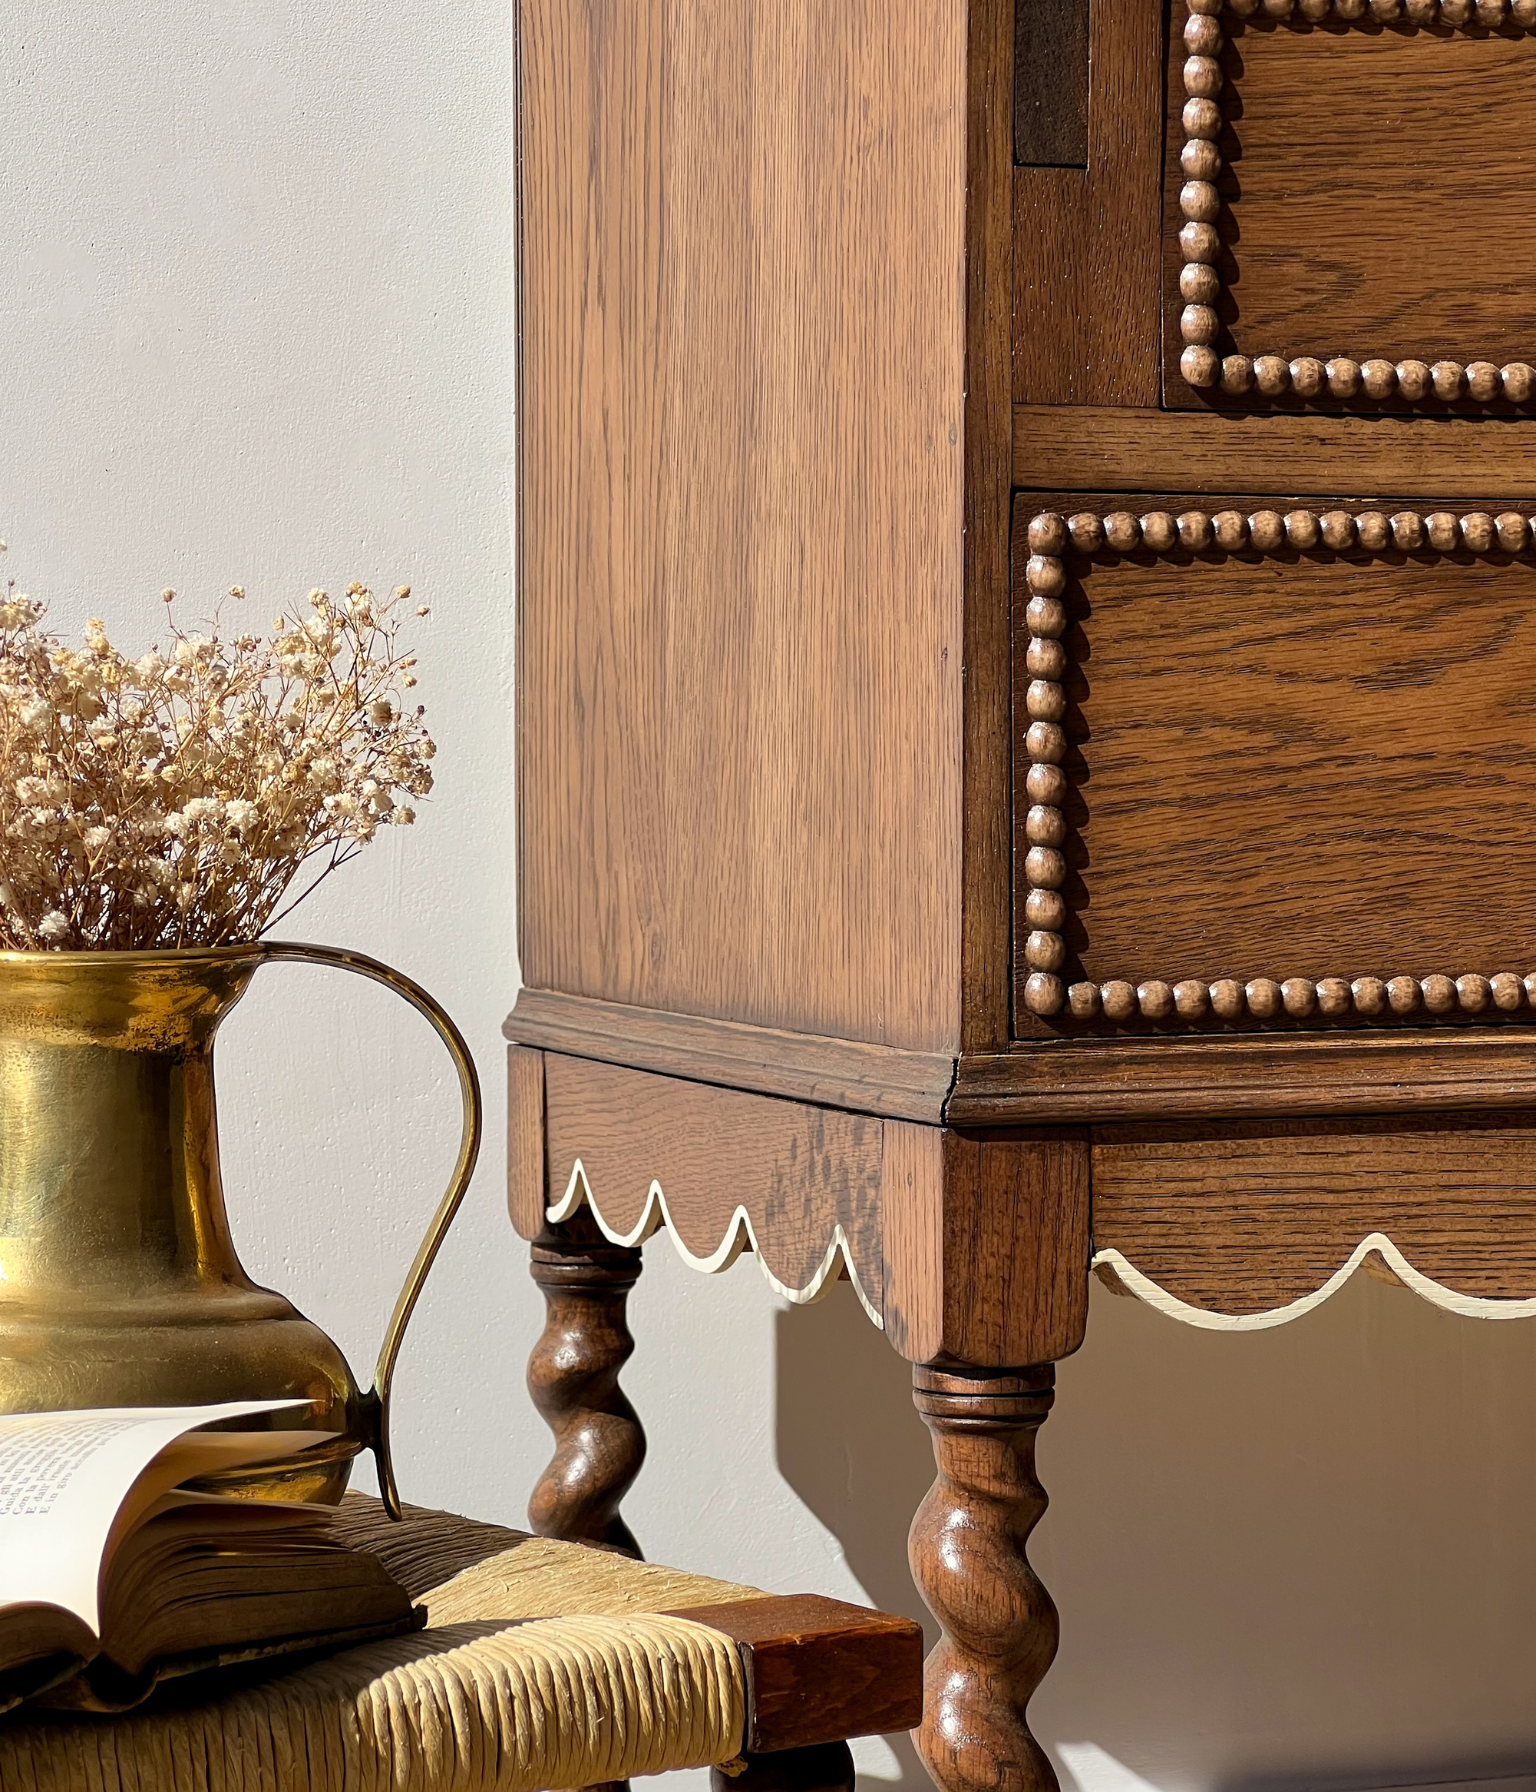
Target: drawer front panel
[1273, 783]
[1334, 231]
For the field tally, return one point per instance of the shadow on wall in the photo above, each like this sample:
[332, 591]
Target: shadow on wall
[850, 1443]
[1299, 1558]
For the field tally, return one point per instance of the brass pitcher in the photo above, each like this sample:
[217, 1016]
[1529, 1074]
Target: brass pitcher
[119, 1283]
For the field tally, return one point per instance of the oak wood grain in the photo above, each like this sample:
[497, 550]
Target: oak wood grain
[819, 1670]
[573, 1381]
[741, 467]
[1327, 253]
[526, 1173]
[970, 1247]
[838, 1073]
[989, 239]
[799, 1172]
[968, 1555]
[1087, 240]
[912, 1294]
[1262, 1214]
[1064, 1082]
[1272, 752]
[1091, 448]
[986, 1245]
[1016, 1216]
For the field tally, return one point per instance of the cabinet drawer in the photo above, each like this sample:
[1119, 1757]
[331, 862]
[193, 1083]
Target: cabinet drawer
[1275, 764]
[1337, 229]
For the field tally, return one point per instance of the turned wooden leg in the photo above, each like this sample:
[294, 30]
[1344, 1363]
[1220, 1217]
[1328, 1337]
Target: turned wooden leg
[967, 1554]
[826, 1768]
[573, 1376]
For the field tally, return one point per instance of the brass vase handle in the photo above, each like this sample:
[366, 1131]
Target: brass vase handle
[374, 1413]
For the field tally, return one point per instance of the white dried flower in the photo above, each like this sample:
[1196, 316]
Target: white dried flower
[172, 798]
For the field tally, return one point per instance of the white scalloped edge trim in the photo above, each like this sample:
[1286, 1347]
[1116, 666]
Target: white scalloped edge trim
[1470, 1306]
[656, 1217]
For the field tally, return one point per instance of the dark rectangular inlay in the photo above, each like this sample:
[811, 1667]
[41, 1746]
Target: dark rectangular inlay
[1050, 83]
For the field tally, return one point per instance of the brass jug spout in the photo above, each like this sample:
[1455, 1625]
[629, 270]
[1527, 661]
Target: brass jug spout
[119, 1282]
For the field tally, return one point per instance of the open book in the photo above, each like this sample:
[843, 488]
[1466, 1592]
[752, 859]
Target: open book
[111, 1578]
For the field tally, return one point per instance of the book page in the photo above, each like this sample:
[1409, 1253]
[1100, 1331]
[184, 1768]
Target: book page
[198, 1453]
[63, 1476]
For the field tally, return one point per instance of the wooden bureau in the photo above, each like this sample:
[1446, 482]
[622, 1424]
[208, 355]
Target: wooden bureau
[1027, 664]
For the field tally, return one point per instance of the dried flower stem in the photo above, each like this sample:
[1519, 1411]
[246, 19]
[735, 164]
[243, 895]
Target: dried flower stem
[173, 799]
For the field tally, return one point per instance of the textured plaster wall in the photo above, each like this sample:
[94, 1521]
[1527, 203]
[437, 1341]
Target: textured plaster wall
[256, 326]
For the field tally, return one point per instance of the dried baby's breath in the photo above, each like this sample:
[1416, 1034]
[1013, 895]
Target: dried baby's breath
[172, 800]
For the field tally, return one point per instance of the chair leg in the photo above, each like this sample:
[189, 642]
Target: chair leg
[826, 1768]
[573, 1376]
[967, 1553]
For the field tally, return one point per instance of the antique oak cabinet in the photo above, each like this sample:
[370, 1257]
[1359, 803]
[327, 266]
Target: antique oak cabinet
[1027, 696]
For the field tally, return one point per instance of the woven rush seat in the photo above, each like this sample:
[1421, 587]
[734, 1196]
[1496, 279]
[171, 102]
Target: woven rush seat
[543, 1664]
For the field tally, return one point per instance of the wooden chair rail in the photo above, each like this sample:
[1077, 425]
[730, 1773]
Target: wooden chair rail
[820, 1670]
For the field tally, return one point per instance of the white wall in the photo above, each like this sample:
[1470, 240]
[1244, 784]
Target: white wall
[258, 328]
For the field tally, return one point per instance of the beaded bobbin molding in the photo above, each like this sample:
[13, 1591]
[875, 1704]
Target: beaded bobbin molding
[1372, 378]
[1051, 536]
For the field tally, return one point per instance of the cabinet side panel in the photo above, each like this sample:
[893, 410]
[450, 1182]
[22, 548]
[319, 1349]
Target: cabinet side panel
[740, 509]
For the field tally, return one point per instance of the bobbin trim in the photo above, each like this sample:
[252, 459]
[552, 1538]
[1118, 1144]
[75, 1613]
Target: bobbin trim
[1046, 991]
[1373, 378]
